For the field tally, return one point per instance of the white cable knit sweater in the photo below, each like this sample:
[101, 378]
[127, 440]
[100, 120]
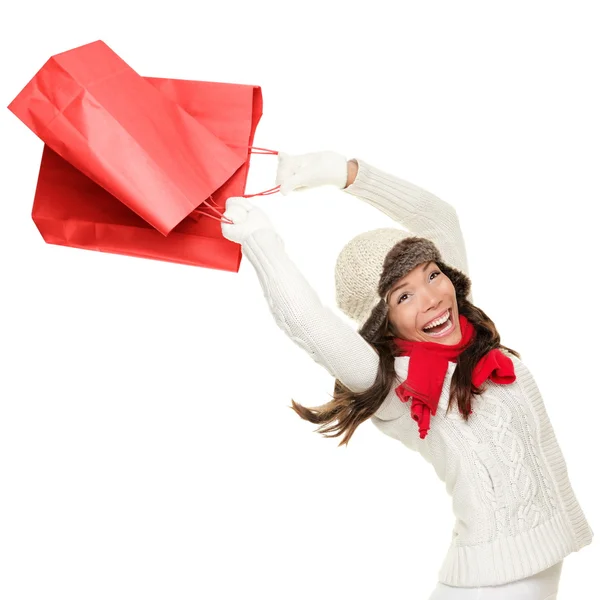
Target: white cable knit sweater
[516, 513]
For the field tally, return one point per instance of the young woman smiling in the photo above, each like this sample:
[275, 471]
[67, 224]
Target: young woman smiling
[426, 367]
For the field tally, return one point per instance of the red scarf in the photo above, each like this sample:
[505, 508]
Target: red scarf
[427, 369]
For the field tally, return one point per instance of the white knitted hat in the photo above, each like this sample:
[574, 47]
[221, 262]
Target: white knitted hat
[358, 269]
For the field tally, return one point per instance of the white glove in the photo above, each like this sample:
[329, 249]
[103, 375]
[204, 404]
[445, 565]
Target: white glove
[246, 218]
[311, 170]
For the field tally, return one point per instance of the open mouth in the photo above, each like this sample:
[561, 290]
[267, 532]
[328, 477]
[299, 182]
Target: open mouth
[444, 325]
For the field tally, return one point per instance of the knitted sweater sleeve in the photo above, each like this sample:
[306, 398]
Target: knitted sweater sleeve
[297, 310]
[416, 209]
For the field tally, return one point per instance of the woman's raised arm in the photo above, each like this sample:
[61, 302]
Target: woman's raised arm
[295, 306]
[413, 207]
[416, 209]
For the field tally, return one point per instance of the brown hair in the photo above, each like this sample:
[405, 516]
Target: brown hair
[348, 409]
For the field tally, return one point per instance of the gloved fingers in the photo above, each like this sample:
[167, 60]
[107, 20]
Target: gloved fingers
[237, 214]
[238, 201]
[226, 230]
[236, 210]
[292, 183]
[286, 167]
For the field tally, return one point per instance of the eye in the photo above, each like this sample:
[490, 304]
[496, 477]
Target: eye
[399, 301]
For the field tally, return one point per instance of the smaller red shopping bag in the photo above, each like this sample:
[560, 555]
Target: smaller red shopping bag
[115, 127]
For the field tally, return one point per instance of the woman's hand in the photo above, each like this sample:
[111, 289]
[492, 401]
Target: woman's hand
[304, 171]
[246, 218]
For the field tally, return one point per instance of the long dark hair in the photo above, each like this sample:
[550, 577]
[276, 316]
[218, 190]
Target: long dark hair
[347, 409]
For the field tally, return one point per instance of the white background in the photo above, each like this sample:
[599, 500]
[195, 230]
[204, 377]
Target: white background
[147, 447]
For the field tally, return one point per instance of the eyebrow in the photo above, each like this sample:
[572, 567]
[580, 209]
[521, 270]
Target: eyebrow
[401, 285]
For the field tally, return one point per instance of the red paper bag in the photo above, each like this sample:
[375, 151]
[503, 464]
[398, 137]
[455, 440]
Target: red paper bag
[117, 128]
[72, 210]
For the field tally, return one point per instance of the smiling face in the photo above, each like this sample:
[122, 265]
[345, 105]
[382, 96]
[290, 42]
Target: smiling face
[422, 297]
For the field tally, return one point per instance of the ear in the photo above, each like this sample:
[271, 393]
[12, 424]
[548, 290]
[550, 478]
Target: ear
[392, 332]
[390, 328]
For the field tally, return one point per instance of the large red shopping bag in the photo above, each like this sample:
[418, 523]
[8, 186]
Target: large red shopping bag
[72, 210]
[119, 130]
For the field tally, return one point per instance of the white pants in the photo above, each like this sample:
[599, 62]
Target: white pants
[541, 586]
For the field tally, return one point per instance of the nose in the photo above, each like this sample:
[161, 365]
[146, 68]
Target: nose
[430, 301]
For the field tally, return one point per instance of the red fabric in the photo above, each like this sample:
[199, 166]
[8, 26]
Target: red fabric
[428, 366]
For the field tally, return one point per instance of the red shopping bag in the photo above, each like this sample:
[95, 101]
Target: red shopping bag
[72, 210]
[117, 128]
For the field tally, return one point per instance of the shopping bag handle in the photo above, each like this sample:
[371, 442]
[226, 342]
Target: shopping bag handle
[262, 150]
[197, 211]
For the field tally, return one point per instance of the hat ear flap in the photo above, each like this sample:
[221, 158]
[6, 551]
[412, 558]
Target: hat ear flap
[371, 328]
[461, 283]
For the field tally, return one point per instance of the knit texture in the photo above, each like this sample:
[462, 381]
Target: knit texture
[516, 512]
[358, 268]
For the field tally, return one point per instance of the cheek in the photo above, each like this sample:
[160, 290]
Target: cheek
[402, 321]
[448, 288]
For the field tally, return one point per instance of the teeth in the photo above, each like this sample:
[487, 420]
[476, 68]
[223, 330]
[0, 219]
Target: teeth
[447, 328]
[438, 321]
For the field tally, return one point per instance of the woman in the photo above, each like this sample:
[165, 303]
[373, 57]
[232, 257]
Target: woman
[427, 368]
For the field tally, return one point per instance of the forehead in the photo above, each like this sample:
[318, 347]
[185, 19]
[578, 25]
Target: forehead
[412, 275]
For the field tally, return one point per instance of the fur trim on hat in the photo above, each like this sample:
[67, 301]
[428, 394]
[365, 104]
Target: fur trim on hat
[374, 321]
